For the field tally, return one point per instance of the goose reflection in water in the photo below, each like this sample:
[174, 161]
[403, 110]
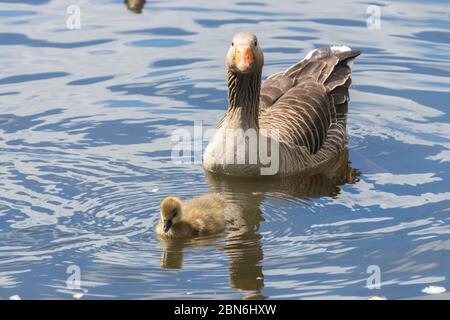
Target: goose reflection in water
[243, 243]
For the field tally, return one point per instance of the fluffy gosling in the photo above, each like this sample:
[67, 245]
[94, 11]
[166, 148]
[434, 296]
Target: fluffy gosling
[202, 215]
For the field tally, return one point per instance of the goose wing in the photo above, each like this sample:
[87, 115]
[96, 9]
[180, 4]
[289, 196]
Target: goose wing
[301, 101]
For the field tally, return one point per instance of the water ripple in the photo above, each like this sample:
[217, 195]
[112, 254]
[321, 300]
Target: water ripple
[85, 154]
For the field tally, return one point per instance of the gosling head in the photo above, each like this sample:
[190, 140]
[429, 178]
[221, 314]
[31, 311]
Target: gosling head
[244, 55]
[170, 210]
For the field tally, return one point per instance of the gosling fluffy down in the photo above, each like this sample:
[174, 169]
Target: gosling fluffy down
[201, 215]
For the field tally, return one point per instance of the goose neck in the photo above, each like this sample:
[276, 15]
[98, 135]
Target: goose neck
[243, 99]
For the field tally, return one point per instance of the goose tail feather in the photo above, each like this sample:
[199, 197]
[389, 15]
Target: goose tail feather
[330, 66]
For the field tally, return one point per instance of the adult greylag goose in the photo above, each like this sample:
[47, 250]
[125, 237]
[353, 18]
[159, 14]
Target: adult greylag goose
[296, 108]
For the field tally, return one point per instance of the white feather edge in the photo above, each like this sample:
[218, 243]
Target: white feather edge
[335, 49]
[339, 49]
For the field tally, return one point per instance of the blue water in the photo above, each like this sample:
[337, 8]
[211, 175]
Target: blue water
[86, 119]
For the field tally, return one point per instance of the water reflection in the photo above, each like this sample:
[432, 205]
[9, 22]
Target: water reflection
[243, 242]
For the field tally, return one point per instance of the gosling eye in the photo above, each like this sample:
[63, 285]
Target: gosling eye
[232, 44]
[256, 43]
[174, 213]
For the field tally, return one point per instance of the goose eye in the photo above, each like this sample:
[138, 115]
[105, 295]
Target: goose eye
[256, 43]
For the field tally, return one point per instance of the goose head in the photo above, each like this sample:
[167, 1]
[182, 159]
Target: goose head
[244, 55]
[170, 211]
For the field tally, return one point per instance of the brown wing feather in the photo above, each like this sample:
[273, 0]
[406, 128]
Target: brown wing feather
[302, 115]
[274, 88]
[301, 102]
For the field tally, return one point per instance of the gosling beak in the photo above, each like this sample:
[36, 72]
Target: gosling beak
[167, 225]
[243, 58]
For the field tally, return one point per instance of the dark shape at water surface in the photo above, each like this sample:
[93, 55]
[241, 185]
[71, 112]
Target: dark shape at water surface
[121, 132]
[32, 77]
[296, 38]
[87, 81]
[26, 1]
[190, 9]
[16, 13]
[167, 31]
[435, 99]
[135, 5]
[206, 98]
[283, 50]
[160, 43]
[9, 93]
[176, 62]
[17, 39]
[11, 123]
[416, 66]
[341, 22]
[215, 23]
[250, 3]
[431, 36]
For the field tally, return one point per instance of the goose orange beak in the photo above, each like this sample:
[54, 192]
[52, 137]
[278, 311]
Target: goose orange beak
[243, 58]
